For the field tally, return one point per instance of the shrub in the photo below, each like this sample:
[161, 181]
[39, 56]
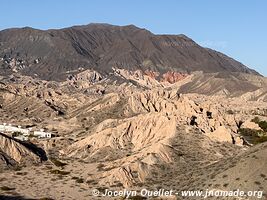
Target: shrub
[261, 139]
[59, 172]
[6, 188]
[230, 112]
[263, 175]
[262, 124]
[225, 185]
[22, 173]
[257, 183]
[93, 182]
[79, 180]
[57, 162]
[256, 120]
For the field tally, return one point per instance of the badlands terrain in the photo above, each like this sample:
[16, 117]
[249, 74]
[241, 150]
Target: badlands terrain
[127, 109]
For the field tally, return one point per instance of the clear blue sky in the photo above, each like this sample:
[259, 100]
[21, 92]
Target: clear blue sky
[235, 27]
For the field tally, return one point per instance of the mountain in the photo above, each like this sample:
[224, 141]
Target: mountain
[51, 54]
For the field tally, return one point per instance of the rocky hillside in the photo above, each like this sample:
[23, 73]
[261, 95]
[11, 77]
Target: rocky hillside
[53, 54]
[14, 152]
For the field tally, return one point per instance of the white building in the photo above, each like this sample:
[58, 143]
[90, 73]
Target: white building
[12, 129]
[42, 134]
[2, 127]
[23, 133]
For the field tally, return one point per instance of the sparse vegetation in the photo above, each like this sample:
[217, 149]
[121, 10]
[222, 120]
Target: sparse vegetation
[57, 163]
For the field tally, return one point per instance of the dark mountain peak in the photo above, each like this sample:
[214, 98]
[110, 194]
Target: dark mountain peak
[104, 27]
[50, 54]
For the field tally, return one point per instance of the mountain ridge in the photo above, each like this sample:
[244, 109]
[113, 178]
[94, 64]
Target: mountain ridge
[49, 54]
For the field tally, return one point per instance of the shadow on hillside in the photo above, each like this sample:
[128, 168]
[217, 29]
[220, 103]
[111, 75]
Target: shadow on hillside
[35, 149]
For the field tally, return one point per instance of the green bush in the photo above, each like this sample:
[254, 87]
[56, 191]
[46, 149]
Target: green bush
[250, 132]
[253, 136]
[263, 125]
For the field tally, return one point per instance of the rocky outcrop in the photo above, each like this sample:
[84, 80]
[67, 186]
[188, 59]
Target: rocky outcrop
[173, 77]
[84, 79]
[146, 79]
[250, 125]
[140, 131]
[221, 134]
